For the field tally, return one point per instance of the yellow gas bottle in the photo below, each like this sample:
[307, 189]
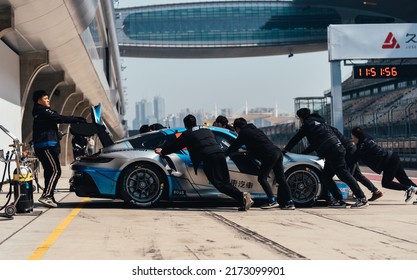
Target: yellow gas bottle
[23, 189]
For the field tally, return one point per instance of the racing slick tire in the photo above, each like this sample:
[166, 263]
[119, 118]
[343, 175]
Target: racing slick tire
[305, 185]
[142, 185]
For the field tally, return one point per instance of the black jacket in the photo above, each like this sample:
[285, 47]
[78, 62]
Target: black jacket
[319, 134]
[371, 154]
[200, 142]
[45, 129]
[346, 142]
[256, 142]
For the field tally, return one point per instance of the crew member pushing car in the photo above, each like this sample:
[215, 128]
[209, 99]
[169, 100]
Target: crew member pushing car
[203, 147]
[324, 141]
[261, 147]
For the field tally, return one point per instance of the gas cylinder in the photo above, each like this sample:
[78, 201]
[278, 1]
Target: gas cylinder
[23, 189]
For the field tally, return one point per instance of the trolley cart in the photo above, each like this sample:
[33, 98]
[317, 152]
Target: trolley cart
[22, 182]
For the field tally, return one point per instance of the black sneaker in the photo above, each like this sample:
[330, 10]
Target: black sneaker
[289, 206]
[415, 202]
[337, 204]
[360, 203]
[270, 205]
[376, 195]
[409, 193]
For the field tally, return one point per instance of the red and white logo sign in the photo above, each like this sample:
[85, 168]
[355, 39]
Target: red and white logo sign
[372, 41]
[390, 42]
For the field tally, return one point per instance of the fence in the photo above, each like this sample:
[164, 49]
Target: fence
[405, 147]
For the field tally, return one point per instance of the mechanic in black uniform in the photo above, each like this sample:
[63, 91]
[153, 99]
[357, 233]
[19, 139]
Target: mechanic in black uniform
[354, 169]
[261, 148]
[144, 128]
[222, 121]
[383, 161]
[156, 126]
[327, 146]
[46, 142]
[203, 147]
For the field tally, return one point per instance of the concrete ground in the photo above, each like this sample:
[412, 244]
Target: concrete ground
[100, 229]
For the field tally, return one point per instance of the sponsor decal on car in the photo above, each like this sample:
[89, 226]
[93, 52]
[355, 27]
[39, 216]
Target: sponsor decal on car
[241, 184]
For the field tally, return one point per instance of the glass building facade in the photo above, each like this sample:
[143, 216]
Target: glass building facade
[230, 24]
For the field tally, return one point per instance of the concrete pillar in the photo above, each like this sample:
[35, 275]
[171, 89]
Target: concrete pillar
[337, 103]
[31, 63]
[6, 20]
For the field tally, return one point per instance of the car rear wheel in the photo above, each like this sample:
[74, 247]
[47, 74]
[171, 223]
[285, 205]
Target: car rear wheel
[142, 185]
[304, 184]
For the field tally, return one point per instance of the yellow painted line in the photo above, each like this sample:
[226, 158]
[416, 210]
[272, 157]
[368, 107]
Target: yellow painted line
[44, 247]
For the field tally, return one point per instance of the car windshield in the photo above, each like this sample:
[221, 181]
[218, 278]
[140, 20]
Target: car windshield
[151, 140]
[223, 139]
[159, 138]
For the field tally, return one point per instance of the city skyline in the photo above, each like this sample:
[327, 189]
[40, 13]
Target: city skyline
[151, 112]
[148, 112]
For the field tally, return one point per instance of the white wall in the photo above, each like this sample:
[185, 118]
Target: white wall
[10, 116]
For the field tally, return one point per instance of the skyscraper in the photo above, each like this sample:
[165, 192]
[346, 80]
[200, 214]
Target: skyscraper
[159, 108]
[143, 110]
[145, 115]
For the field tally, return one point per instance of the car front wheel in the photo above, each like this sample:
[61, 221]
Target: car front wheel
[142, 185]
[305, 186]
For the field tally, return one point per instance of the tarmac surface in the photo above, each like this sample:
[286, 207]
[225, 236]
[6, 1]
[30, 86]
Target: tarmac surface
[102, 229]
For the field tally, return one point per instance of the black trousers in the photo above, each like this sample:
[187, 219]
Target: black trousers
[356, 172]
[334, 163]
[274, 162]
[394, 169]
[49, 158]
[217, 172]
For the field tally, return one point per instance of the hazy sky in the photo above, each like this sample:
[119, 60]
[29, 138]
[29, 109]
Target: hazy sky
[225, 83]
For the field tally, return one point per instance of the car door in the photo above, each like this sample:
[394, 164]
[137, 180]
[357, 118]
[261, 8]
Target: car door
[243, 171]
[243, 168]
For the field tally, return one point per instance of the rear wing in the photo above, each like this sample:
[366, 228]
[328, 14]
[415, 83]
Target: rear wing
[96, 127]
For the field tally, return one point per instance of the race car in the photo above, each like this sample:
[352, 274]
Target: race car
[130, 170]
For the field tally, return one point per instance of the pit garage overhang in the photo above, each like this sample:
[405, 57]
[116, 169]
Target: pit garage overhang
[53, 41]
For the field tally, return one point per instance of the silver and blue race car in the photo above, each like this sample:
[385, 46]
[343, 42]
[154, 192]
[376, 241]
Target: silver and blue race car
[130, 170]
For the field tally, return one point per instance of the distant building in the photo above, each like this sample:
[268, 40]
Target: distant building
[147, 112]
[159, 108]
[173, 120]
[226, 112]
[143, 110]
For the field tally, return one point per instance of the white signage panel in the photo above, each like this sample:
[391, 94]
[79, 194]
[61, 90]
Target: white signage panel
[372, 41]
